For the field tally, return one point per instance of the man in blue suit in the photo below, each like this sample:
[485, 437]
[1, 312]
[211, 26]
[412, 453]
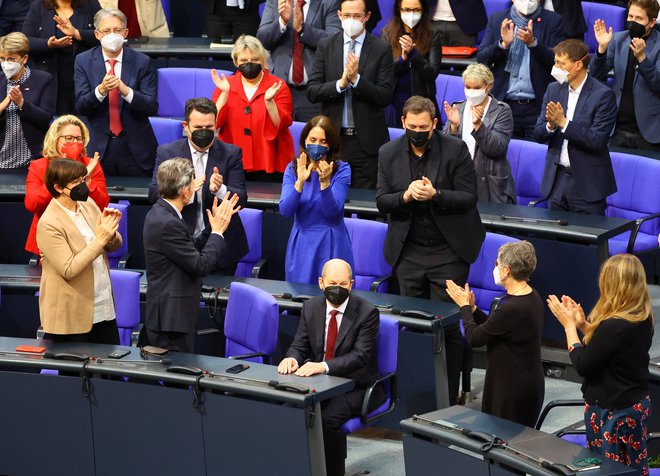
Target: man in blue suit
[116, 91]
[288, 31]
[518, 48]
[458, 21]
[576, 119]
[635, 56]
[218, 169]
[175, 264]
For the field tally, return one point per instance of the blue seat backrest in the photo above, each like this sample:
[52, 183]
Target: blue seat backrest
[638, 190]
[481, 271]
[492, 6]
[448, 88]
[296, 129]
[252, 222]
[114, 256]
[388, 344]
[126, 291]
[395, 132]
[527, 161]
[166, 129]
[367, 241]
[177, 85]
[386, 10]
[613, 15]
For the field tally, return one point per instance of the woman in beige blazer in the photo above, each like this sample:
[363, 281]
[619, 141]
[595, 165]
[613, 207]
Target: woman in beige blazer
[73, 235]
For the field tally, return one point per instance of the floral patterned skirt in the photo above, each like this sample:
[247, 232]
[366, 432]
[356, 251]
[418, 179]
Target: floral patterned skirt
[620, 435]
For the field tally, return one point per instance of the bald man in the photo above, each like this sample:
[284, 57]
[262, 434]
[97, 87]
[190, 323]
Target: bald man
[349, 326]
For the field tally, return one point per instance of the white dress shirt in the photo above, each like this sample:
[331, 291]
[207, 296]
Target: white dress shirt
[468, 127]
[200, 160]
[104, 309]
[549, 6]
[129, 97]
[443, 11]
[340, 313]
[573, 96]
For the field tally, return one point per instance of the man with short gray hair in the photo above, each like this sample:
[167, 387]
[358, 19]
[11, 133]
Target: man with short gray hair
[116, 90]
[175, 265]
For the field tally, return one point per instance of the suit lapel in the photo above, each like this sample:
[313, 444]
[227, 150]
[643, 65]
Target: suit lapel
[364, 53]
[339, 62]
[347, 321]
[317, 333]
[405, 173]
[583, 98]
[563, 96]
[126, 72]
[311, 12]
[433, 164]
[98, 66]
[491, 113]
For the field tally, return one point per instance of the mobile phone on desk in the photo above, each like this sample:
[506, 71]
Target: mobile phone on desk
[237, 369]
[118, 354]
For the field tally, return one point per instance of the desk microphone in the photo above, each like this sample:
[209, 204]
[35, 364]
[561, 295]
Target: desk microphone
[74, 356]
[117, 188]
[394, 310]
[284, 386]
[282, 295]
[165, 362]
[560, 222]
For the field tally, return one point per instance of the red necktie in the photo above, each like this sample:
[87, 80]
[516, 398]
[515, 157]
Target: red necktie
[332, 336]
[113, 105]
[298, 70]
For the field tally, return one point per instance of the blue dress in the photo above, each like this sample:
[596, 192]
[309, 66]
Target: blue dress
[319, 232]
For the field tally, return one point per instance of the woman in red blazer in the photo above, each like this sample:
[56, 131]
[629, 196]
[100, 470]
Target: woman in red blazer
[255, 109]
[67, 137]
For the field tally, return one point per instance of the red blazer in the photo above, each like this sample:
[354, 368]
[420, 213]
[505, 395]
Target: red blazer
[37, 196]
[267, 147]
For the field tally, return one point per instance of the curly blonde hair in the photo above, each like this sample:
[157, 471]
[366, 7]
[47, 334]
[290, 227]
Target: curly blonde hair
[50, 141]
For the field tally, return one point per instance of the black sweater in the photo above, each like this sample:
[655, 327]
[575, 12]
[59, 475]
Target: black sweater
[615, 363]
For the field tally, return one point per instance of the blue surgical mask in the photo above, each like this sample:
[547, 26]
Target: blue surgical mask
[316, 151]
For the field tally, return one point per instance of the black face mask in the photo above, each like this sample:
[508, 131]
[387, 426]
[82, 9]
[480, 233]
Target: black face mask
[336, 295]
[202, 138]
[250, 70]
[418, 138]
[636, 30]
[79, 193]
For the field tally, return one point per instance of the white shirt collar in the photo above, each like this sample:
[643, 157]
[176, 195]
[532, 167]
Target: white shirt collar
[579, 88]
[119, 57]
[341, 309]
[194, 152]
[175, 208]
[359, 39]
[71, 214]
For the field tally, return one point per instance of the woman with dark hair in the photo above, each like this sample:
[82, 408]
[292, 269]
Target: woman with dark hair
[613, 359]
[74, 236]
[417, 53]
[58, 31]
[314, 192]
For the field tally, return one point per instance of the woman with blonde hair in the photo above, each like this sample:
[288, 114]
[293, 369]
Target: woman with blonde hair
[67, 137]
[613, 359]
[254, 110]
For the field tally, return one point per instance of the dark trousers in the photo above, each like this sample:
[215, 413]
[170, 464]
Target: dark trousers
[631, 140]
[334, 413]
[565, 195]
[12, 14]
[525, 112]
[452, 35]
[118, 159]
[66, 101]
[232, 21]
[421, 272]
[104, 332]
[303, 109]
[175, 341]
[364, 166]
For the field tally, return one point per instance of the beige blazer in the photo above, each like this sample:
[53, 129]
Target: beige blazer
[66, 291]
[151, 16]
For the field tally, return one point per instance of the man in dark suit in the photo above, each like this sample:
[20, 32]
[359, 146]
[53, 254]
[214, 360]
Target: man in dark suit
[116, 90]
[427, 187]
[337, 335]
[575, 25]
[291, 33]
[353, 79]
[27, 104]
[232, 18]
[577, 117]
[218, 161]
[517, 47]
[635, 57]
[175, 265]
[458, 21]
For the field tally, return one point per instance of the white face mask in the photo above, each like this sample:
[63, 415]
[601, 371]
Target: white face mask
[11, 69]
[411, 19]
[352, 27]
[559, 74]
[112, 42]
[526, 7]
[475, 96]
[496, 277]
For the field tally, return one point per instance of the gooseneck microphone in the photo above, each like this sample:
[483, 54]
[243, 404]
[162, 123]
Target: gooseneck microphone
[560, 222]
[165, 362]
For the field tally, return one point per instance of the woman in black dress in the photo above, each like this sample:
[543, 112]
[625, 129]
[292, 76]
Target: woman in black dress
[514, 386]
[613, 359]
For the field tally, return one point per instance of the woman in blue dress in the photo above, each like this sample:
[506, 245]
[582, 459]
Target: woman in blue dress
[313, 193]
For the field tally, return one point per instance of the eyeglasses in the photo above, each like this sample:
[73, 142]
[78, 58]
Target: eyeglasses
[411, 10]
[11, 59]
[72, 138]
[118, 31]
[354, 16]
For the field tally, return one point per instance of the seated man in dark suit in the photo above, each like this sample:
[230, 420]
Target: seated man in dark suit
[517, 47]
[458, 21]
[353, 79]
[427, 186]
[291, 33]
[116, 91]
[337, 335]
[175, 265]
[222, 164]
[576, 120]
